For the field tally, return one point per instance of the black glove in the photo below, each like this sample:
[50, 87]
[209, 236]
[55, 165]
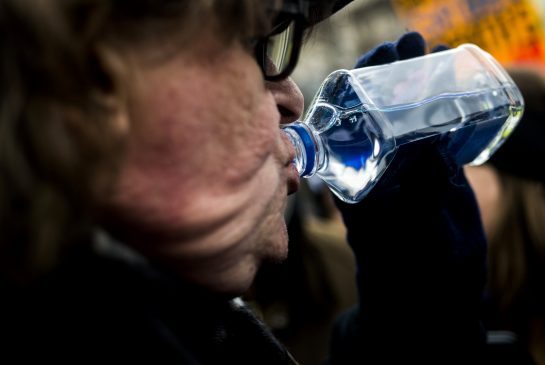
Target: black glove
[420, 253]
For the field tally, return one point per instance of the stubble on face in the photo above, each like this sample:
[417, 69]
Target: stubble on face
[202, 188]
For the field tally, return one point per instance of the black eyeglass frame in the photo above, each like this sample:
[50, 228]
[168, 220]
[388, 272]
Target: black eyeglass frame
[300, 24]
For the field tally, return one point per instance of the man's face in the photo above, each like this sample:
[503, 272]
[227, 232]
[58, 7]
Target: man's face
[204, 182]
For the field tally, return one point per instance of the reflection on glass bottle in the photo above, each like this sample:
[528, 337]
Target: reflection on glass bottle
[364, 121]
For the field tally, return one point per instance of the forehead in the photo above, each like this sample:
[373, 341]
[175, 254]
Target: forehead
[244, 17]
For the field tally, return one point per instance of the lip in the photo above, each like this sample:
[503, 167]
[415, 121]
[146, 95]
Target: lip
[292, 175]
[293, 178]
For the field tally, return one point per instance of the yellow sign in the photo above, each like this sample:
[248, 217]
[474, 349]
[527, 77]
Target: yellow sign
[511, 30]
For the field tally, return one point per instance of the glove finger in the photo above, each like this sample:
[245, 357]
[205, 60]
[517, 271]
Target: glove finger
[411, 45]
[440, 48]
[385, 53]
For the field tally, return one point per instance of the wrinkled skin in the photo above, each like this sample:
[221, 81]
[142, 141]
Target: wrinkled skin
[207, 171]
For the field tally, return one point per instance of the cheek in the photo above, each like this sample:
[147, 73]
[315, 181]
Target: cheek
[253, 144]
[207, 130]
[246, 127]
[207, 134]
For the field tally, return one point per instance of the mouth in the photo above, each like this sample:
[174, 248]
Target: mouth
[292, 174]
[293, 178]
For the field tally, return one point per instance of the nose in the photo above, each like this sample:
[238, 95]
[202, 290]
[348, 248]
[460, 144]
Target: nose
[289, 99]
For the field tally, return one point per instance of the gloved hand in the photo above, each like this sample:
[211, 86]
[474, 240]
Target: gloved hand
[420, 253]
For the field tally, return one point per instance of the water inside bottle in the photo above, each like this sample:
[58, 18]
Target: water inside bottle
[351, 151]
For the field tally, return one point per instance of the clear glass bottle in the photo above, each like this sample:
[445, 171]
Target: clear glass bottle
[365, 121]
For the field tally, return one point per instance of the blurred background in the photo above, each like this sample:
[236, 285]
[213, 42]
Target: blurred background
[301, 297]
[513, 31]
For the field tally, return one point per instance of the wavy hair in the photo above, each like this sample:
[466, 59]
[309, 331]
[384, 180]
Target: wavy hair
[60, 87]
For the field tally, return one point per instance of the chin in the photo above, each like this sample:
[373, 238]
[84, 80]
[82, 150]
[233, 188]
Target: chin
[238, 284]
[278, 244]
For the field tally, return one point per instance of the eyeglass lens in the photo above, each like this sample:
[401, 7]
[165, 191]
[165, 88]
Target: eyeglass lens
[279, 50]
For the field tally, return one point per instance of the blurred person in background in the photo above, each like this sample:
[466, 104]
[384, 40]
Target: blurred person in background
[144, 181]
[510, 190]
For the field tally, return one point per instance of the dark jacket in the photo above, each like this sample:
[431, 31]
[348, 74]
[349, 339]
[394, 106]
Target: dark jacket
[103, 308]
[421, 257]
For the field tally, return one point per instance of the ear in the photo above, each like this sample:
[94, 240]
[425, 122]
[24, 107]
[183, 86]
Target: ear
[78, 141]
[110, 72]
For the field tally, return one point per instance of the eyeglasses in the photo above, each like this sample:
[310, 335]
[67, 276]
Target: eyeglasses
[278, 52]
